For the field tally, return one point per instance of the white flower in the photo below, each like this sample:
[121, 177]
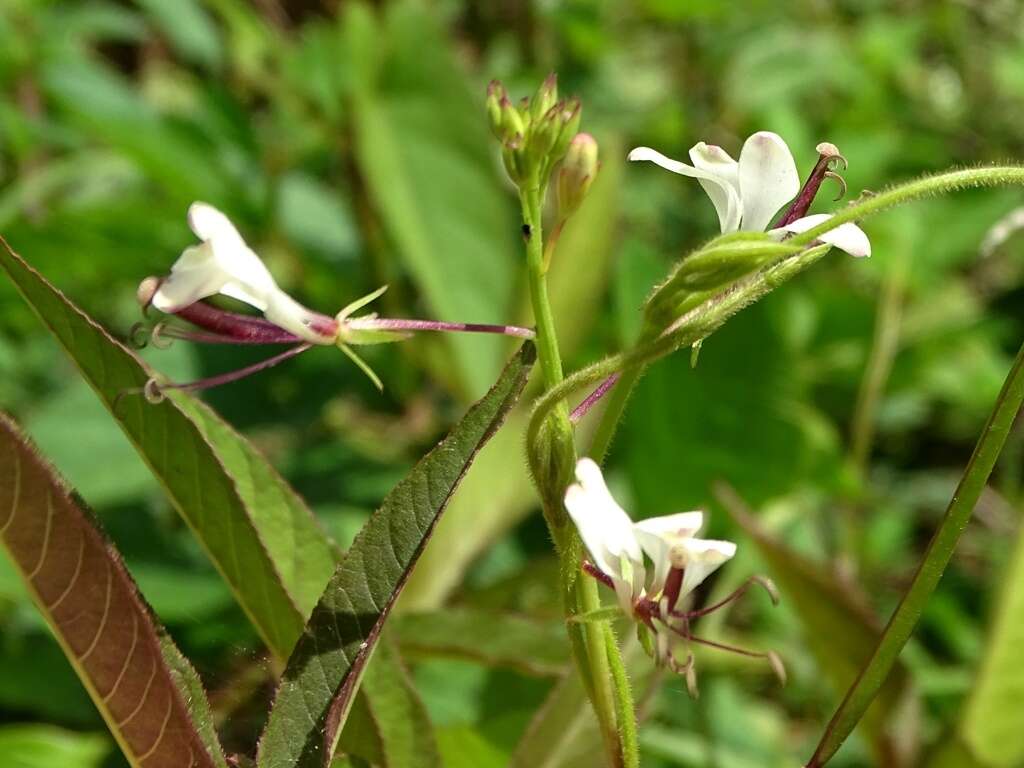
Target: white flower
[222, 263]
[617, 545]
[747, 194]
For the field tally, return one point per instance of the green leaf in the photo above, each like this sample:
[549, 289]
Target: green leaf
[188, 27]
[992, 720]
[324, 670]
[146, 692]
[421, 144]
[190, 450]
[495, 639]
[43, 746]
[838, 625]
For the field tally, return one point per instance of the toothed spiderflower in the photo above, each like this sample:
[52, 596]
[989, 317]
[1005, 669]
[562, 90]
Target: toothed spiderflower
[653, 565]
[222, 264]
[747, 194]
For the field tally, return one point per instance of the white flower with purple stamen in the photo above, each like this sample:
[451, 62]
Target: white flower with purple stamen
[652, 564]
[747, 194]
[223, 264]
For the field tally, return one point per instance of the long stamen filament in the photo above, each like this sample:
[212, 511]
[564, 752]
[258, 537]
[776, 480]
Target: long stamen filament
[738, 593]
[154, 391]
[594, 397]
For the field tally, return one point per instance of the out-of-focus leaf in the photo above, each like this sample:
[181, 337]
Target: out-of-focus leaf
[41, 746]
[146, 692]
[174, 437]
[564, 731]
[992, 721]
[838, 625]
[952, 753]
[323, 672]
[421, 144]
[493, 496]
[495, 639]
[188, 27]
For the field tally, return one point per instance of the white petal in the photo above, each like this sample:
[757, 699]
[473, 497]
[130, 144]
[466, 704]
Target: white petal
[699, 558]
[768, 179]
[194, 276]
[722, 183]
[250, 280]
[716, 161]
[285, 312]
[846, 237]
[657, 536]
[606, 529]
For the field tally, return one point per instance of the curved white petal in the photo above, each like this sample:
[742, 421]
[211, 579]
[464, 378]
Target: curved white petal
[727, 190]
[194, 276]
[606, 530]
[768, 179]
[699, 558]
[846, 237]
[718, 162]
[657, 536]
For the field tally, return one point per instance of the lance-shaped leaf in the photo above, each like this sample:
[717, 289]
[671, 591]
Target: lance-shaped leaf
[323, 672]
[838, 625]
[148, 694]
[182, 457]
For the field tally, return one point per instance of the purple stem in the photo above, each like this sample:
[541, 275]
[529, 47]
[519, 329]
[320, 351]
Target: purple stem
[398, 324]
[592, 399]
[826, 154]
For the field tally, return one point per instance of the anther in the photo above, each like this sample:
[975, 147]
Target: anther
[138, 335]
[153, 393]
[159, 338]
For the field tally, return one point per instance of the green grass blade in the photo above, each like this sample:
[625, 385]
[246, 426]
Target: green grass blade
[940, 550]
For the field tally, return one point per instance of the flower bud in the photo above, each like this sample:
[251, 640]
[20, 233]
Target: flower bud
[496, 94]
[577, 173]
[511, 121]
[571, 114]
[545, 98]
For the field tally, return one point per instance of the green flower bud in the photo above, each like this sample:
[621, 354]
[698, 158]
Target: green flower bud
[571, 114]
[576, 174]
[545, 98]
[495, 95]
[511, 121]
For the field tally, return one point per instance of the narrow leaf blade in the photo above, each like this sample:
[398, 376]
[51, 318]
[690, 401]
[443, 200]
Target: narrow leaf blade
[323, 673]
[93, 607]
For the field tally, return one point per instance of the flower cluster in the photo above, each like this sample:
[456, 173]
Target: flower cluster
[652, 565]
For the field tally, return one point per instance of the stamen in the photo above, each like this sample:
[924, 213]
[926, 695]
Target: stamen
[399, 324]
[138, 335]
[155, 392]
[159, 337]
[761, 581]
[597, 573]
[594, 397]
[773, 659]
[829, 158]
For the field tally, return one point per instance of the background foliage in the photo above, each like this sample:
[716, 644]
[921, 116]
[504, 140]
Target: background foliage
[349, 144]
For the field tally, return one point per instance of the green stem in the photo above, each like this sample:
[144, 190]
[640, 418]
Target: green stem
[594, 649]
[940, 550]
[986, 176]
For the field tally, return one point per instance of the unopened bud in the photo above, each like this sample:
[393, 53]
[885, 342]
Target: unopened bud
[545, 98]
[577, 173]
[496, 94]
[511, 121]
[571, 114]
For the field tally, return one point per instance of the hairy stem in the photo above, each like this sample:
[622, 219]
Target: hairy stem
[594, 649]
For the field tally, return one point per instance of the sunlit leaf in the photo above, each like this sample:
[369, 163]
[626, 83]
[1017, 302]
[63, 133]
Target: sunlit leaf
[324, 670]
[145, 690]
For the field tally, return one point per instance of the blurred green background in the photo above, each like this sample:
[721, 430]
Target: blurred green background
[348, 143]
